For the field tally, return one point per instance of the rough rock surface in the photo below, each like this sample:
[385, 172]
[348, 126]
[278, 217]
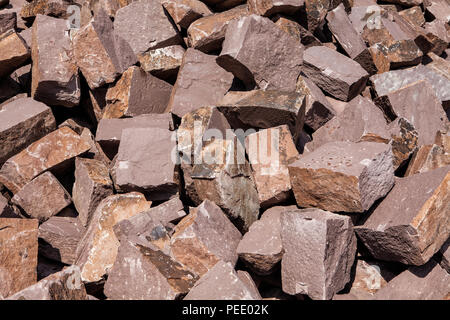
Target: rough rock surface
[52, 150]
[51, 50]
[144, 25]
[92, 185]
[97, 250]
[23, 121]
[43, 197]
[64, 285]
[203, 238]
[411, 224]
[200, 83]
[248, 54]
[343, 176]
[125, 98]
[18, 254]
[334, 73]
[221, 283]
[61, 236]
[319, 250]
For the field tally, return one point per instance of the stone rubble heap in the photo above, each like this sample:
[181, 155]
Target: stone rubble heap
[106, 106]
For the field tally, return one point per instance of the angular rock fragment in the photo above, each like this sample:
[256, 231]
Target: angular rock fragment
[92, 185]
[349, 39]
[126, 97]
[145, 26]
[207, 33]
[18, 254]
[43, 197]
[414, 15]
[261, 248]
[145, 162]
[143, 272]
[371, 276]
[151, 221]
[97, 250]
[319, 250]
[438, 9]
[55, 8]
[412, 222]
[55, 79]
[200, 83]
[221, 283]
[318, 109]
[95, 152]
[431, 156]
[61, 236]
[297, 31]
[23, 121]
[334, 73]
[264, 109]
[63, 285]
[163, 62]
[427, 282]
[270, 7]
[343, 176]
[391, 81]
[185, 12]
[361, 120]
[248, 52]
[109, 131]
[203, 238]
[316, 11]
[14, 52]
[8, 20]
[270, 151]
[417, 103]
[48, 152]
[100, 52]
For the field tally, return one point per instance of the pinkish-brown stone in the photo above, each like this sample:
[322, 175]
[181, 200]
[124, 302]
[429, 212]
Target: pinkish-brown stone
[334, 73]
[14, 52]
[92, 185]
[163, 62]
[185, 12]
[207, 33]
[55, 80]
[52, 150]
[100, 53]
[427, 282]
[23, 121]
[145, 26]
[412, 222]
[60, 237]
[418, 103]
[97, 250]
[200, 83]
[343, 176]
[63, 285]
[203, 238]
[125, 98]
[43, 197]
[270, 151]
[142, 271]
[270, 7]
[222, 282]
[109, 131]
[261, 248]
[250, 54]
[18, 254]
[145, 163]
[319, 250]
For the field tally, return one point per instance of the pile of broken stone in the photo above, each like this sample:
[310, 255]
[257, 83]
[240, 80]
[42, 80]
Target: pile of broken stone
[99, 98]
